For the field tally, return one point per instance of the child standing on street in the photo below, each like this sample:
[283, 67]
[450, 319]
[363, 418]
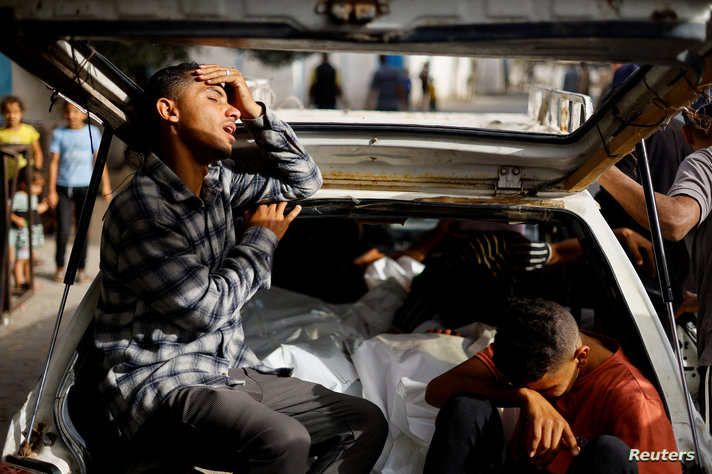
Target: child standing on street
[26, 209]
[73, 150]
[14, 132]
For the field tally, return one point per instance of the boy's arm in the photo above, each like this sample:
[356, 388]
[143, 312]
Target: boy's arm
[293, 174]
[678, 214]
[542, 430]
[472, 376]
[105, 182]
[42, 207]
[37, 155]
[53, 170]
[17, 220]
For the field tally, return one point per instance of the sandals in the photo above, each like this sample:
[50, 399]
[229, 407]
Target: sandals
[59, 276]
[81, 277]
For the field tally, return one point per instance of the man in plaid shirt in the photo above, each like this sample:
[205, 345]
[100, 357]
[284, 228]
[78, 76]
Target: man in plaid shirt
[179, 375]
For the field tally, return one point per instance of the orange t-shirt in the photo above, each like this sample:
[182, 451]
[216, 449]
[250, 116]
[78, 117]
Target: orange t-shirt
[614, 399]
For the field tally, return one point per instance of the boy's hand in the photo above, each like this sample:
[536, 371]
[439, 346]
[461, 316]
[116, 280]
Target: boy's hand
[52, 199]
[272, 217]
[543, 431]
[238, 93]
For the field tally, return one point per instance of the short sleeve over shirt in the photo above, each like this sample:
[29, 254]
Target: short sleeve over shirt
[694, 179]
[25, 135]
[76, 154]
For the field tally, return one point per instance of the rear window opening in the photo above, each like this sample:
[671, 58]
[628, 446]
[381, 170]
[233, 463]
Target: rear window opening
[326, 258]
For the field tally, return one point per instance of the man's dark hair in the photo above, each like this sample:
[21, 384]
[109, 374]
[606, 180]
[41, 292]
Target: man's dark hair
[535, 337]
[168, 82]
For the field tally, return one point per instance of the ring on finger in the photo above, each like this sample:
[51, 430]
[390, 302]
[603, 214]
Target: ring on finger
[227, 72]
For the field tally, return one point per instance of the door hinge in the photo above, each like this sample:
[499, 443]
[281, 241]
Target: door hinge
[508, 179]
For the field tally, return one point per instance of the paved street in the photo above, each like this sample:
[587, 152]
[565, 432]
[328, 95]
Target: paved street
[24, 342]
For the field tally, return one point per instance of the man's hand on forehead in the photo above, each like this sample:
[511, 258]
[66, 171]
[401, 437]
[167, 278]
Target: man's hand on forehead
[233, 81]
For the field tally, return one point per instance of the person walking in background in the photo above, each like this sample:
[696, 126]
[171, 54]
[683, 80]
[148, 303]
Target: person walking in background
[25, 201]
[577, 78]
[425, 81]
[325, 86]
[15, 132]
[73, 151]
[387, 92]
[571, 77]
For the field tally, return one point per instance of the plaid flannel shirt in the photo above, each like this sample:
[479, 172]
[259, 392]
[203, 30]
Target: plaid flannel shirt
[174, 276]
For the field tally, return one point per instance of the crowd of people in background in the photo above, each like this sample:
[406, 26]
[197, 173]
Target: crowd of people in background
[45, 196]
[389, 88]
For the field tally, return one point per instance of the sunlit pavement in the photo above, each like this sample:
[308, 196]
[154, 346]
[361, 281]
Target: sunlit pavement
[25, 340]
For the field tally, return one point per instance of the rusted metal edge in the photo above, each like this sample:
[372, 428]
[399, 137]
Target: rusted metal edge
[624, 142]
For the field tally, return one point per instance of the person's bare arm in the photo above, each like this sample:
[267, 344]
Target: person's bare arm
[472, 376]
[426, 241]
[105, 182]
[53, 170]
[689, 304]
[638, 246]
[564, 253]
[677, 214]
[37, 154]
[17, 220]
[542, 430]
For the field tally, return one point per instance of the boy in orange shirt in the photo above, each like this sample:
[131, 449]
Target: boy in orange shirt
[584, 406]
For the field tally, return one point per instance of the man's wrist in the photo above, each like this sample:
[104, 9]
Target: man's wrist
[523, 396]
[254, 111]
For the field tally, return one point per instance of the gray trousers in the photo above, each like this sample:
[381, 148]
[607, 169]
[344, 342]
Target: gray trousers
[271, 424]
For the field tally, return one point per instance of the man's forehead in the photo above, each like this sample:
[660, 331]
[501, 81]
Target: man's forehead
[201, 86]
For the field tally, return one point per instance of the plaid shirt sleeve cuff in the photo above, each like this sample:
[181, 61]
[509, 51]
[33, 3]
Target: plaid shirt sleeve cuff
[266, 125]
[261, 238]
[264, 121]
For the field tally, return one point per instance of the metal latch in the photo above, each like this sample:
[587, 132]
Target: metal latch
[508, 178]
[353, 11]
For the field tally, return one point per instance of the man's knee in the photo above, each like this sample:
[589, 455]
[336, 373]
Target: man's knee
[364, 420]
[376, 423]
[289, 440]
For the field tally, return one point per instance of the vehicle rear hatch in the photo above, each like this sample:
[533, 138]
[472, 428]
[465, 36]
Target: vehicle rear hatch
[52, 40]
